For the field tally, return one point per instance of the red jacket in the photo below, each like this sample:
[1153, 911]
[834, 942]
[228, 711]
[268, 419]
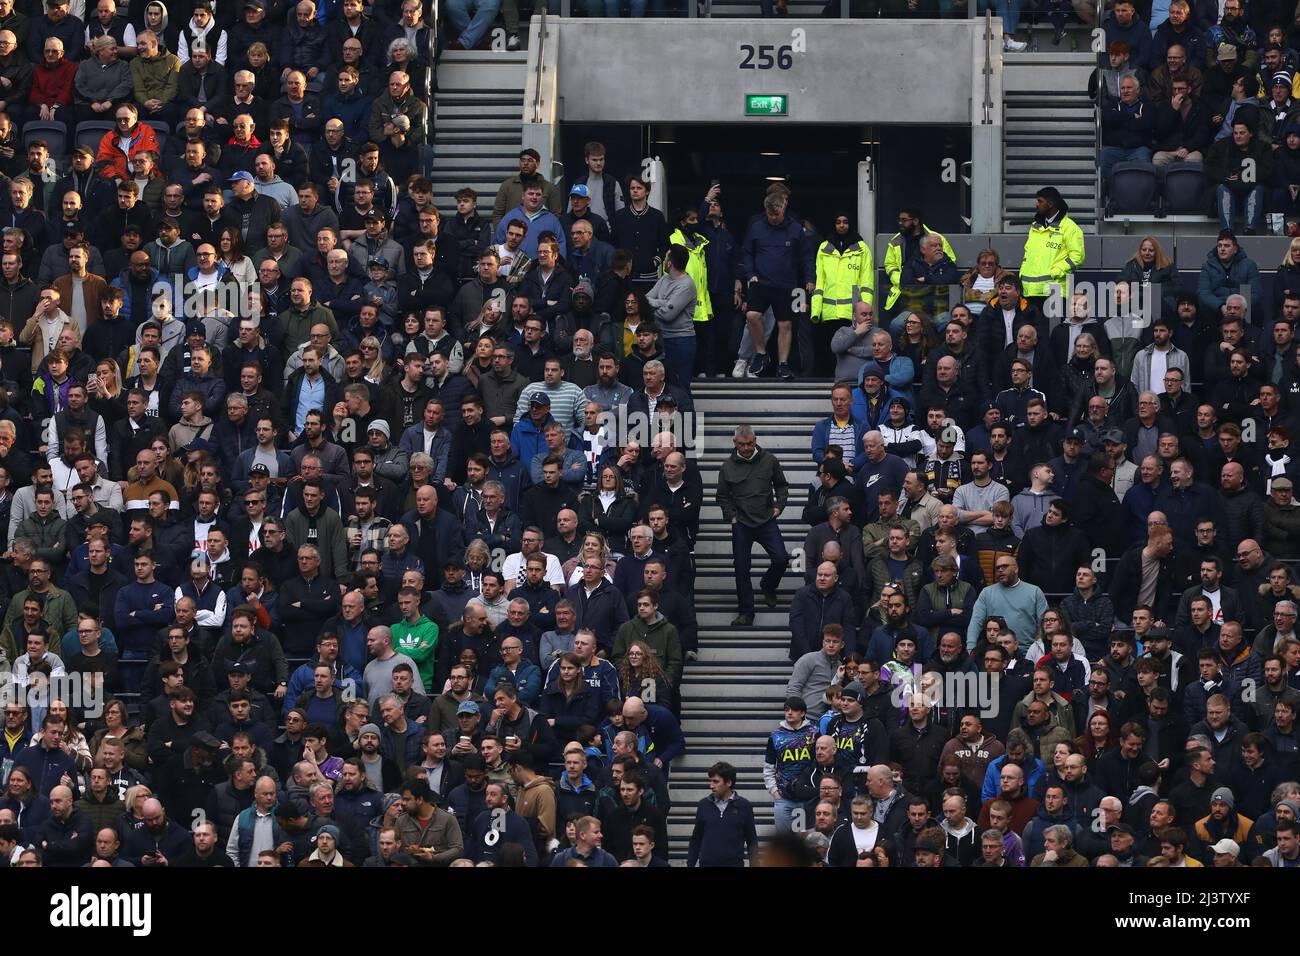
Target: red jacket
[52, 84]
[110, 149]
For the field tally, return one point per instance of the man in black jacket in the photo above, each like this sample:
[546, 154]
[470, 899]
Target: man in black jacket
[307, 601]
[251, 211]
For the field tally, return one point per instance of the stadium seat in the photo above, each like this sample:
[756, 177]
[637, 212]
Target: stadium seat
[1132, 187]
[54, 134]
[90, 132]
[1184, 188]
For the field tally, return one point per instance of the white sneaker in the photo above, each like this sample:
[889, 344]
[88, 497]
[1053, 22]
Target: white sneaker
[1011, 45]
[738, 370]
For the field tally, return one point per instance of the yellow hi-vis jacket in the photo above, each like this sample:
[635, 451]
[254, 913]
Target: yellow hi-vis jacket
[1052, 254]
[842, 279]
[698, 270]
[894, 261]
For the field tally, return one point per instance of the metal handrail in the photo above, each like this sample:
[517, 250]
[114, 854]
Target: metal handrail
[988, 68]
[541, 67]
[1099, 205]
[428, 77]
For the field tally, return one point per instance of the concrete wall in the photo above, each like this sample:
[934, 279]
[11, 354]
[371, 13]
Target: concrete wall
[656, 71]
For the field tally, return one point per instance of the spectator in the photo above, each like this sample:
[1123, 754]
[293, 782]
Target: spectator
[511, 192]
[155, 78]
[1239, 169]
[1227, 269]
[1103, 84]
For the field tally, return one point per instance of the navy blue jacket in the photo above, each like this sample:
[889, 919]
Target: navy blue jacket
[780, 256]
[135, 619]
[515, 830]
[47, 768]
[722, 838]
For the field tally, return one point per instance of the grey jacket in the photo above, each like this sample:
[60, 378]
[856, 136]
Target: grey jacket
[1141, 374]
[673, 301]
[851, 352]
[812, 674]
[96, 82]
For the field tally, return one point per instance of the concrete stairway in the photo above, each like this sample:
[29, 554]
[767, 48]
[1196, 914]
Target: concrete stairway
[731, 696]
[1049, 135]
[478, 122]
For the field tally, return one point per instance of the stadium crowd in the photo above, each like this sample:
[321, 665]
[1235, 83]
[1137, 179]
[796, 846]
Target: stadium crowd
[343, 531]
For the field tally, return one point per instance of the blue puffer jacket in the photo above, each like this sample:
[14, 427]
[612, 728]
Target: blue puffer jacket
[527, 678]
[1218, 281]
[527, 439]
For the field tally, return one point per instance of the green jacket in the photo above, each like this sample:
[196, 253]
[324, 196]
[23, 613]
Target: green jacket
[418, 641]
[894, 262]
[698, 270]
[46, 536]
[298, 323]
[748, 491]
[60, 614]
[842, 279]
[155, 79]
[660, 636]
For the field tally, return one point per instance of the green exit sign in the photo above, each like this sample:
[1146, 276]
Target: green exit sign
[766, 104]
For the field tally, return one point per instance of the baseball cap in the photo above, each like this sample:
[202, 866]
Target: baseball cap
[205, 740]
[196, 327]
[467, 707]
[1227, 846]
[73, 229]
[540, 399]
[378, 261]
[1075, 434]
[260, 469]
[1283, 483]
[1121, 827]
[853, 689]
[243, 175]
[374, 216]
[580, 190]
[238, 667]
[379, 425]
[1113, 435]
[254, 3]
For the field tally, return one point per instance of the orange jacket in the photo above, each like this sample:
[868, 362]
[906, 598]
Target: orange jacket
[110, 150]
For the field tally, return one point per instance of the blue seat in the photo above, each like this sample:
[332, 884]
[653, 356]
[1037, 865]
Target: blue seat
[55, 136]
[1184, 188]
[1132, 188]
[90, 132]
